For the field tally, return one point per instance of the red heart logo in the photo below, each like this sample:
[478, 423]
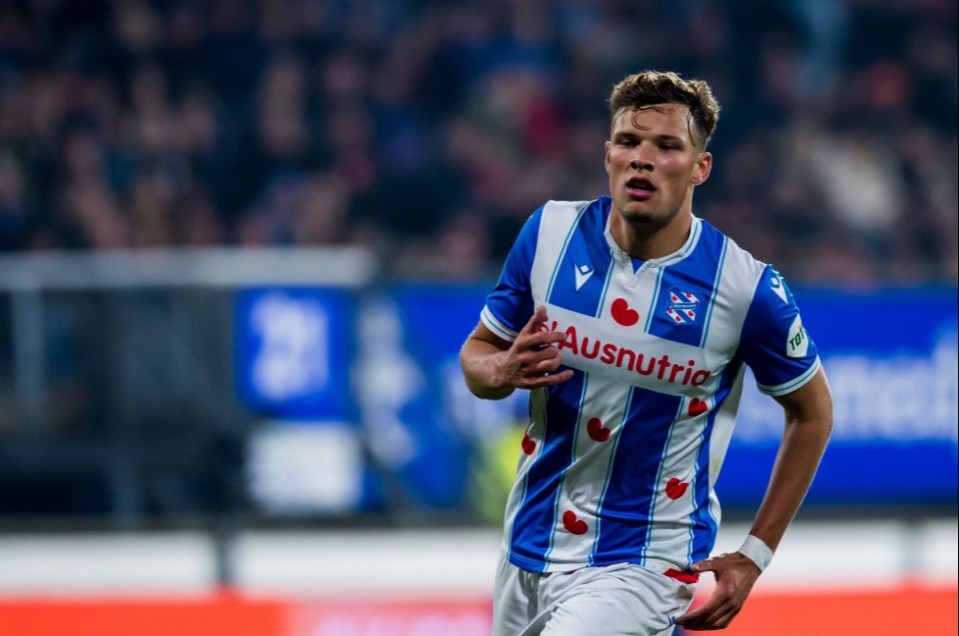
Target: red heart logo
[574, 524]
[623, 314]
[675, 488]
[596, 429]
[529, 446]
[697, 407]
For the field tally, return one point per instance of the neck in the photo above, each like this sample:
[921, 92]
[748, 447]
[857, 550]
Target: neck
[647, 239]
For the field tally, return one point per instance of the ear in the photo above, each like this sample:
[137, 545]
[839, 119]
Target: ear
[704, 165]
[606, 157]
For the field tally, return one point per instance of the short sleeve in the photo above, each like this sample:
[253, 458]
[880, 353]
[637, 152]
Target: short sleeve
[510, 305]
[774, 341]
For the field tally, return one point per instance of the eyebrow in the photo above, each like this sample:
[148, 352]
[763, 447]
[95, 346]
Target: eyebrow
[691, 127]
[659, 137]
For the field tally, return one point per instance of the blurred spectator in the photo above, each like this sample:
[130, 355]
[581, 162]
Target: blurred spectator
[12, 213]
[310, 122]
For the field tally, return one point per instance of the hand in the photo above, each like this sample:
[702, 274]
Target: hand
[531, 362]
[735, 576]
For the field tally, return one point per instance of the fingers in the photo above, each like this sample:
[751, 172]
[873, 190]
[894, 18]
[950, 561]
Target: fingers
[540, 340]
[535, 337]
[706, 616]
[709, 617]
[538, 368]
[734, 579]
[546, 380]
[713, 564]
[533, 358]
[536, 321]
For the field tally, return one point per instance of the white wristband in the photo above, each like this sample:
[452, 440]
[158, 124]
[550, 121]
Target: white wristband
[756, 551]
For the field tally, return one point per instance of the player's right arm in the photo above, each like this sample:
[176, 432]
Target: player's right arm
[495, 367]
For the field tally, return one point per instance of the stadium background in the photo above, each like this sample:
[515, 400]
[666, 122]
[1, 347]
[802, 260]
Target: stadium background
[243, 240]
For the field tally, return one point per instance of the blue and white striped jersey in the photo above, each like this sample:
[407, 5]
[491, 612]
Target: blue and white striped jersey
[618, 464]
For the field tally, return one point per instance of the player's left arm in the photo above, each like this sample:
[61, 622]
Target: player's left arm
[786, 364]
[808, 426]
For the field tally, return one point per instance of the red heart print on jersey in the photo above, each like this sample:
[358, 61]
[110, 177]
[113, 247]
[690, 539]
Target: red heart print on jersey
[529, 446]
[623, 314]
[697, 407]
[574, 524]
[596, 429]
[675, 488]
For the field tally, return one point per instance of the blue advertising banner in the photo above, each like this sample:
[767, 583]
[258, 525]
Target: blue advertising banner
[294, 349]
[891, 359]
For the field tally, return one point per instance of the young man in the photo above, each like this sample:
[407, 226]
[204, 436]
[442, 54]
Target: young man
[631, 322]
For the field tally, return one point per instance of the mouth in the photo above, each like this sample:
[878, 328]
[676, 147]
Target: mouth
[639, 188]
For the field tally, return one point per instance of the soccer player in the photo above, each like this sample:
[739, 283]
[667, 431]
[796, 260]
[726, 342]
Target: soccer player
[631, 321]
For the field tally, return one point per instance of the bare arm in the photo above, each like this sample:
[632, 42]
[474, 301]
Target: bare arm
[808, 426]
[494, 367]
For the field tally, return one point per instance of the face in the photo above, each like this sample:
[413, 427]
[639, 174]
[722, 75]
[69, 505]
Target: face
[653, 165]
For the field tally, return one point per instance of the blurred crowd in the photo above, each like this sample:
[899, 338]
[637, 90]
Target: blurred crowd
[429, 130]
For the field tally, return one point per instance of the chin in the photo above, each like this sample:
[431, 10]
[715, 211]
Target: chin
[634, 215]
[646, 220]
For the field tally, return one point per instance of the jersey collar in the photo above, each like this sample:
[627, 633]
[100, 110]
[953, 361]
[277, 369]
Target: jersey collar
[695, 231]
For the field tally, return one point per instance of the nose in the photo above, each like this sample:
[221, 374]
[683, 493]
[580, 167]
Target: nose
[642, 158]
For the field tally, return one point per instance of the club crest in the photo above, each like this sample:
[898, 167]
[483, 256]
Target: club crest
[682, 306]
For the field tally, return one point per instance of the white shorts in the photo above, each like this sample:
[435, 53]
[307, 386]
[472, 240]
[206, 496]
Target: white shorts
[613, 600]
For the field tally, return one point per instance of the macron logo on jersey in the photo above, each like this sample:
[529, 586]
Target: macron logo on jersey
[780, 290]
[583, 274]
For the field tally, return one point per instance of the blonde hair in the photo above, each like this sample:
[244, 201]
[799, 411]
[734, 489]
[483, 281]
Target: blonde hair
[649, 88]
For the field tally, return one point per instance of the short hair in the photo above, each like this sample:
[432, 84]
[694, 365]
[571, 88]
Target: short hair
[648, 88]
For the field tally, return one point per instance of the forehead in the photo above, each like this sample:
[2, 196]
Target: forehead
[657, 119]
